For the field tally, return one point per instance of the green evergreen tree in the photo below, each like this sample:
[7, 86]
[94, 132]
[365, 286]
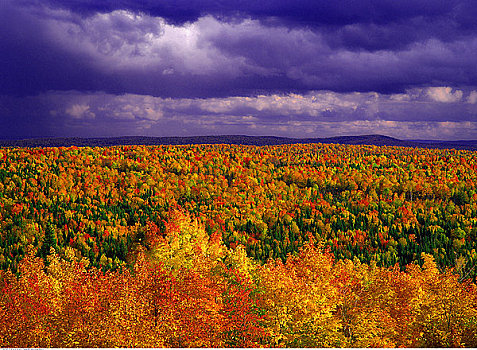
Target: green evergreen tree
[49, 241]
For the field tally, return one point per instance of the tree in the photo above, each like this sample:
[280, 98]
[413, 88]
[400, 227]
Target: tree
[49, 241]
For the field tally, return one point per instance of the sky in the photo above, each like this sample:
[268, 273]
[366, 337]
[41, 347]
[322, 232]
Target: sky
[294, 68]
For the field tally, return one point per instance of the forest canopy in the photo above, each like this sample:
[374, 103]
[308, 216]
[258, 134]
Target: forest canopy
[227, 245]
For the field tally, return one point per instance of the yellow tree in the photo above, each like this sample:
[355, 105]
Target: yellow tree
[300, 301]
[446, 310]
[27, 303]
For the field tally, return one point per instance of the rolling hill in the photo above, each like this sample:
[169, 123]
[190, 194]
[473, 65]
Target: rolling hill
[378, 140]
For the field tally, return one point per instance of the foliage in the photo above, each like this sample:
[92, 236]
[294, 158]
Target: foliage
[312, 300]
[213, 246]
[383, 204]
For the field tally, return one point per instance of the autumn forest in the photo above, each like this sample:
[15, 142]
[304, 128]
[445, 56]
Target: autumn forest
[312, 245]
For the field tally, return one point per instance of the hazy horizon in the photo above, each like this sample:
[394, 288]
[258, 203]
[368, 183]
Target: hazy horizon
[241, 135]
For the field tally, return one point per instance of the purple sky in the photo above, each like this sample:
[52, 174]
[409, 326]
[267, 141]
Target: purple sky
[297, 68]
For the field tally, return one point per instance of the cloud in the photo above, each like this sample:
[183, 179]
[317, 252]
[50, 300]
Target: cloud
[356, 25]
[119, 49]
[80, 111]
[444, 94]
[472, 98]
[315, 114]
[304, 67]
[298, 12]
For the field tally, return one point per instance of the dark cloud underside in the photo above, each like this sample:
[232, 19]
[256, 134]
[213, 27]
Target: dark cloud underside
[307, 12]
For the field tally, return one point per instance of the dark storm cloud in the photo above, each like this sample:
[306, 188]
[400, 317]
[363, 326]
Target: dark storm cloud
[304, 12]
[127, 52]
[355, 24]
[439, 18]
[48, 49]
[290, 68]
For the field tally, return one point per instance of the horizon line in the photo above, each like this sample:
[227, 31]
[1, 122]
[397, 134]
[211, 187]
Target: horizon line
[33, 138]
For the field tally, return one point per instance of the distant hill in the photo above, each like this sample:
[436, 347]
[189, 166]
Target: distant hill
[378, 140]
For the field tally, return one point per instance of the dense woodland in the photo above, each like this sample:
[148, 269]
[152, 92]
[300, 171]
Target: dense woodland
[227, 245]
